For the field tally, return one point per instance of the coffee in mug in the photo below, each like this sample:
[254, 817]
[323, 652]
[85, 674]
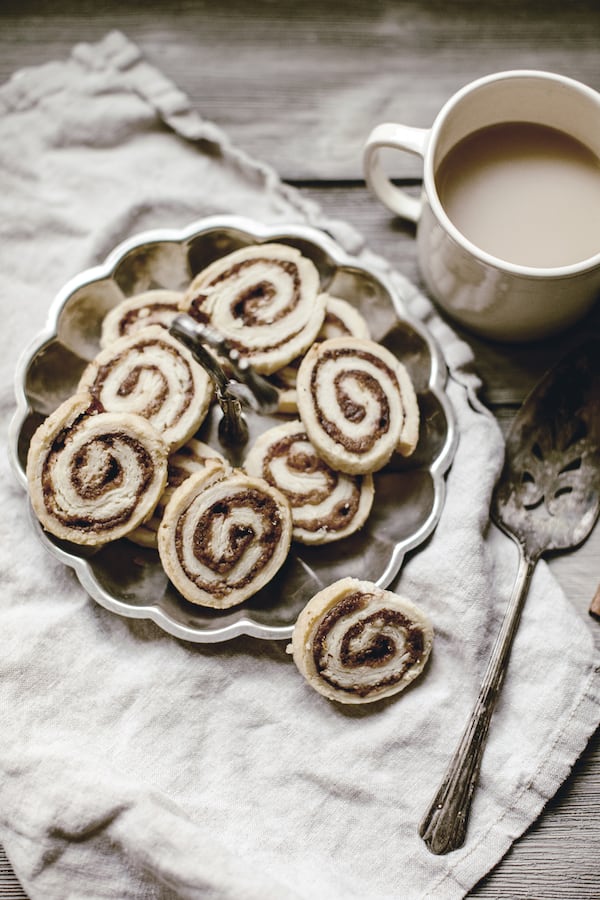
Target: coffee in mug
[526, 193]
[508, 222]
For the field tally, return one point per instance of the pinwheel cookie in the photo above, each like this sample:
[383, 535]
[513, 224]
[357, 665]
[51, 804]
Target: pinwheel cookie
[156, 307]
[357, 404]
[326, 505]
[194, 456]
[224, 536]
[264, 300]
[152, 374]
[341, 320]
[356, 643]
[94, 476]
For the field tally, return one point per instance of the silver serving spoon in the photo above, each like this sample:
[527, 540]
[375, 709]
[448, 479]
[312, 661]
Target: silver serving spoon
[245, 386]
[547, 499]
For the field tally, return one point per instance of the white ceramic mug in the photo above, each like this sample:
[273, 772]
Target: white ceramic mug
[490, 296]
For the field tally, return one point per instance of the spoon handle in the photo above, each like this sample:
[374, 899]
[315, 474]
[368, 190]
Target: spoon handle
[444, 825]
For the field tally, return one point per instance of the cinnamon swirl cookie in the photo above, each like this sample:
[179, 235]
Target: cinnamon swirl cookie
[223, 537]
[326, 505]
[264, 300]
[355, 642]
[357, 404]
[156, 307]
[341, 319]
[284, 382]
[94, 476]
[152, 374]
[194, 456]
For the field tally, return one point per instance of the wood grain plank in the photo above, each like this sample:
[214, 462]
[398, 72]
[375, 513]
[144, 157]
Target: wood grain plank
[301, 85]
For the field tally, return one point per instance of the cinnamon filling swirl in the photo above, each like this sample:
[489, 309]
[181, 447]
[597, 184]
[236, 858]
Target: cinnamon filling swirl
[372, 642]
[98, 468]
[194, 456]
[303, 462]
[308, 469]
[326, 505]
[263, 300]
[333, 326]
[350, 394]
[133, 376]
[94, 476]
[341, 319]
[151, 374]
[356, 642]
[157, 306]
[359, 397]
[221, 536]
[254, 305]
[160, 314]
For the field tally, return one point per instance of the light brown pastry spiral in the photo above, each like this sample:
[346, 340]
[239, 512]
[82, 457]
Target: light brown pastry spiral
[94, 476]
[341, 319]
[264, 300]
[223, 536]
[355, 642]
[194, 456]
[326, 505]
[357, 404]
[155, 307]
[152, 374]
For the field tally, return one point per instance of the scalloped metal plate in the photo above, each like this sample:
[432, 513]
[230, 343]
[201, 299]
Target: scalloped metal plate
[409, 493]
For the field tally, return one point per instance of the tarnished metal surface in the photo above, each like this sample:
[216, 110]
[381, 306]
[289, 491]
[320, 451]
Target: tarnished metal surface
[549, 494]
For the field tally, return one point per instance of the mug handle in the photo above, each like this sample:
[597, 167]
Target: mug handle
[398, 137]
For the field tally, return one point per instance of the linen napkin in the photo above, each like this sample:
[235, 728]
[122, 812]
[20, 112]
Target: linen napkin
[134, 765]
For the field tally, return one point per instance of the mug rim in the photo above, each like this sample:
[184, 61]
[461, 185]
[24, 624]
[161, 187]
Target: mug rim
[541, 272]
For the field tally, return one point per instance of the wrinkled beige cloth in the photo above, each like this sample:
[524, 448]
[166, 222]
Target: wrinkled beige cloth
[133, 765]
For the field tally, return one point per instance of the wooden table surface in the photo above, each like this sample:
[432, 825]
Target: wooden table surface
[299, 84]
